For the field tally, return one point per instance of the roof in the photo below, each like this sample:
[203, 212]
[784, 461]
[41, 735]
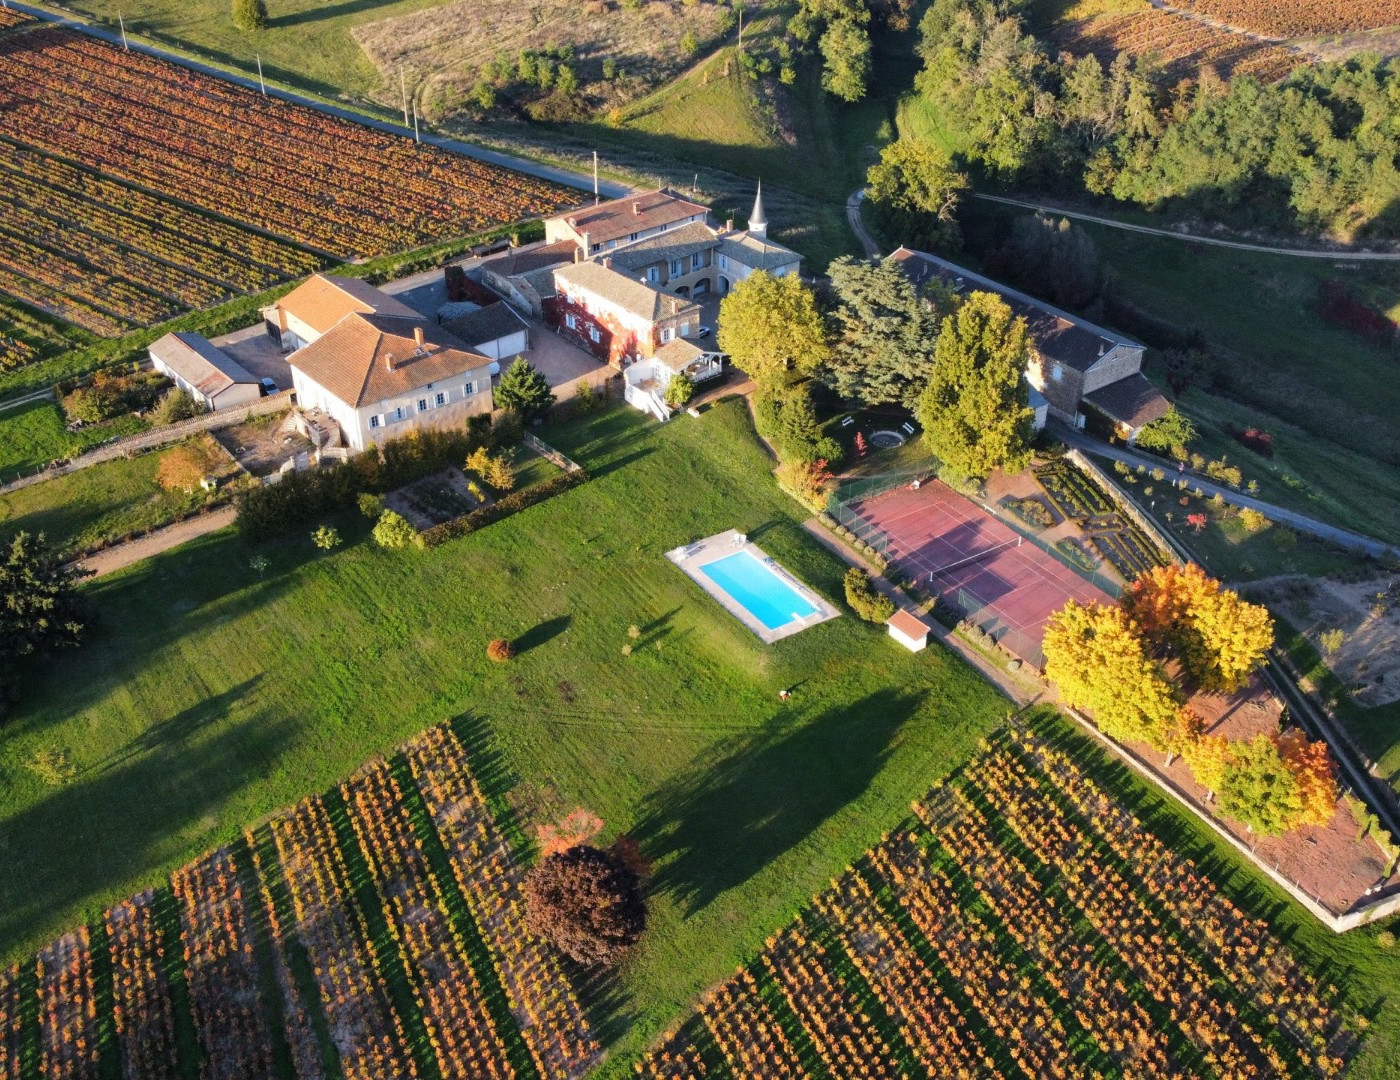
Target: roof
[523, 260]
[1036, 400]
[1133, 401]
[1058, 335]
[633, 213]
[351, 360]
[321, 301]
[908, 624]
[624, 292]
[757, 218]
[758, 252]
[490, 323]
[201, 363]
[678, 243]
[677, 353]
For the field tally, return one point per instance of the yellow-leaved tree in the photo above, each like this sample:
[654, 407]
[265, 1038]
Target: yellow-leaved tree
[1095, 655]
[1311, 765]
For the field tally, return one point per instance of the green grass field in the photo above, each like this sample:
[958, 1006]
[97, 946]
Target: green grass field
[206, 696]
[97, 505]
[32, 435]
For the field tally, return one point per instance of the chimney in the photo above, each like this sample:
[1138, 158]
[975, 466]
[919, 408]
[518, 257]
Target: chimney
[637, 209]
[587, 246]
[607, 263]
[418, 337]
[729, 224]
[389, 362]
[578, 255]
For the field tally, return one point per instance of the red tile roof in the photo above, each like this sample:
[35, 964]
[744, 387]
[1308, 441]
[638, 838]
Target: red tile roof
[322, 300]
[620, 218]
[908, 624]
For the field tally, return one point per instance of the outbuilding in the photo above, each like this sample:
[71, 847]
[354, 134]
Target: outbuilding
[495, 330]
[208, 374]
[909, 630]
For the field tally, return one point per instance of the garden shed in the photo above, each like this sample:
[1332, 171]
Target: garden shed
[909, 630]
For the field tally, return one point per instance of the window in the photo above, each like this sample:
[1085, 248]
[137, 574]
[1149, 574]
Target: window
[422, 404]
[400, 414]
[697, 261]
[685, 329]
[571, 322]
[631, 237]
[667, 334]
[594, 335]
[676, 268]
[468, 389]
[612, 244]
[724, 262]
[441, 399]
[653, 274]
[375, 421]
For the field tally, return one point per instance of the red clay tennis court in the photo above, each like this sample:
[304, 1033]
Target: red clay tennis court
[973, 560]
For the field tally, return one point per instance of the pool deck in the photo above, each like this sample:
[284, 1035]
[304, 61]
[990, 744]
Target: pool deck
[692, 557]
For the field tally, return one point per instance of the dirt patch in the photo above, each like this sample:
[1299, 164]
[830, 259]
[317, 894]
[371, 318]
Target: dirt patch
[1366, 655]
[437, 498]
[262, 445]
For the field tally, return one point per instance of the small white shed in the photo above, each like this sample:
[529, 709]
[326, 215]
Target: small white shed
[909, 630]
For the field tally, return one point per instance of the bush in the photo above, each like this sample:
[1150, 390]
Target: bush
[865, 601]
[174, 406]
[1386, 939]
[500, 650]
[326, 537]
[680, 390]
[1253, 520]
[394, 531]
[185, 465]
[370, 505]
[588, 902]
[249, 15]
[499, 475]
[1224, 473]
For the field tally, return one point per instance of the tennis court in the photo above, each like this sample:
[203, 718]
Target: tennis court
[973, 560]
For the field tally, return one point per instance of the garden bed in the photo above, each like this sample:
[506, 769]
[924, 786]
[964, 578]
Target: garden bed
[437, 498]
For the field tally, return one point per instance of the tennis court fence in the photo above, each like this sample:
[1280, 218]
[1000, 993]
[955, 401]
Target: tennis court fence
[985, 619]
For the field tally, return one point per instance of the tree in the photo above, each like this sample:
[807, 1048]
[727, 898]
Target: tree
[1209, 758]
[845, 47]
[39, 611]
[578, 826]
[974, 411]
[809, 482]
[1259, 790]
[1171, 433]
[885, 334]
[916, 189]
[771, 328]
[587, 902]
[499, 474]
[326, 537]
[679, 390]
[249, 15]
[393, 531]
[174, 406]
[1312, 767]
[1095, 655]
[1054, 259]
[183, 467]
[524, 390]
[864, 600]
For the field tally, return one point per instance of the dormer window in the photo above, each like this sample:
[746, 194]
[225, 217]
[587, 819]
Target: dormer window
[1057, 373]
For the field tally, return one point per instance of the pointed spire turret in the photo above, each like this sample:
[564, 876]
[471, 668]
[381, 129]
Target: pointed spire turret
[758, 221]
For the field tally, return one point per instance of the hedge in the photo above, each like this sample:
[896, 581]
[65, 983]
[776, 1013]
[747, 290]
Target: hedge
[513, 503]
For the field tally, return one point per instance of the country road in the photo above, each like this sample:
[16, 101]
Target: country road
[867, 241]
[121, 556]
[1238, 245]
[608, 188]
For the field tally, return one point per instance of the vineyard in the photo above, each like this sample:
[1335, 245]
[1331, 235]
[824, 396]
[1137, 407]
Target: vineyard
[128, 239]
[375, 931]
[9, 17]
[1298, 18]
[1026, 924]
[1182, 46]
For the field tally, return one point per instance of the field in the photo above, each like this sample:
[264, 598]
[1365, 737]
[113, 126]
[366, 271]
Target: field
[33, 435]
[1026, 924]
[208, 695]
[1298, 18]
[84, 246]
[1181, 45]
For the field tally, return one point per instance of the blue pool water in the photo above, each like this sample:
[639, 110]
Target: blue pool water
[768, 598]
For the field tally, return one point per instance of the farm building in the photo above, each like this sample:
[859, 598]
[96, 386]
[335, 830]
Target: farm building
[378, 376]
[614, 316]
[204, 371]
[1082, 371]
[321, 301]
[496, 331]
[524, 276]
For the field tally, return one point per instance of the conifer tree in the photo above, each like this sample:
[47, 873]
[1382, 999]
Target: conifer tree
[250, 15]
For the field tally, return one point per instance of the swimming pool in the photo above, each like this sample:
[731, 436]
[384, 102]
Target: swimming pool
[758, 589]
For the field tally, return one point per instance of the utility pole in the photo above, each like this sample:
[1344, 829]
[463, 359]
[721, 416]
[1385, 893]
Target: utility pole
[595, 175]
[403, 89]
[741, 27]
[122, 23]
[261, 83]
[415, 123]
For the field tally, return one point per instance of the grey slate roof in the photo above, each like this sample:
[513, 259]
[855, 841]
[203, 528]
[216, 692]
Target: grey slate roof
[485, 324]
[678, 243]
[201, 363]
[1058, 335]
[525, 260]
[756, 251]
[1133, 401]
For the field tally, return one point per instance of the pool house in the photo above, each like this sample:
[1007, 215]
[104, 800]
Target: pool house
[647, 380]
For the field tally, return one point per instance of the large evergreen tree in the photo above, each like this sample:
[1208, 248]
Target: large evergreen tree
[885, 334]
[524, 390]
[974, 411]
[771, 329]
[38, 608]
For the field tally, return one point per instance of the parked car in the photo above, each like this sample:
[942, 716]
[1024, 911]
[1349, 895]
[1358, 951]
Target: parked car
[269, 386]
[703, 332]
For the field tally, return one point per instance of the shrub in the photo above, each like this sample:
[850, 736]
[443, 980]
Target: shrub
[500, 650]
[1386, 939]
[680, 390]
[184, 466]
[1224, 473]
[326, 537]
[500, 475]
[1332, 641]
[370, 505]
[690, 44]
[865, 601]
[394, 531]
[174, 406]
[807, 482]
[1033, 512]
[249, 15]
[1253, 520]
[588, 902]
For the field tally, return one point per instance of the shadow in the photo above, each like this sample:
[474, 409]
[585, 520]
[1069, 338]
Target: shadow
[178, 728]
[658, 628]
[768, 526]
[713, 828]
[542, 633]
[328, 11]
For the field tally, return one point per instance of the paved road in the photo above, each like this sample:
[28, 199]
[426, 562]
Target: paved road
[124, 555]
[1342, 537]
[858, 226]
[1302, 253]
[584, 182]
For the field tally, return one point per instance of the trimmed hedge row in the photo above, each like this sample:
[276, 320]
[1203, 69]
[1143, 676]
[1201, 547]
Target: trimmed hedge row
[513, 503]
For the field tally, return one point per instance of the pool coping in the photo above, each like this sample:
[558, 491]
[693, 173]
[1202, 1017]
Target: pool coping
[691, 557]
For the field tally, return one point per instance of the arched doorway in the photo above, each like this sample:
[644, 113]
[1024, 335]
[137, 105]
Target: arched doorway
[723, 286]
[702, 287]
[682, 290]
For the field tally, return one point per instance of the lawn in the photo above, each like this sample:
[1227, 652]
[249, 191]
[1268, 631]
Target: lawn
[33, 435]
[97, 505]
[208, 694]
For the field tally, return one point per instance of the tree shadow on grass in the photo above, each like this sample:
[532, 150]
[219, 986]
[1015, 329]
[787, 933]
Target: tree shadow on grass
[715, 827]
[542, 633]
